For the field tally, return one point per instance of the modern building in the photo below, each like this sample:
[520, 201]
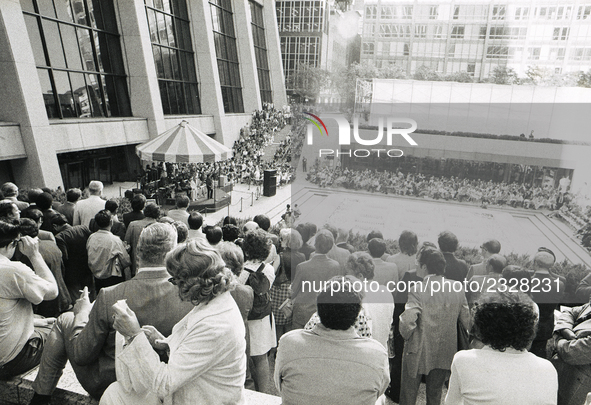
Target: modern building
[475, 36]
[83, 82]
[313, 33]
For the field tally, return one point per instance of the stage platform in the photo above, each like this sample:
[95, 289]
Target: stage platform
[222, 200]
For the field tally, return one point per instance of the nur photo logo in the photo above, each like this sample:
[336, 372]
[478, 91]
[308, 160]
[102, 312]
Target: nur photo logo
[392, 128]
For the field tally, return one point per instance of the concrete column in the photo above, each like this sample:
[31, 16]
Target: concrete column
[23, 101]
[210, 92]
[144, 92]
[274, 54]
[248, 65]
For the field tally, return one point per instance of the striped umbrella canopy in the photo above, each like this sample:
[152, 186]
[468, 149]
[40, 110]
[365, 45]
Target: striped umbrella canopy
[183, 144]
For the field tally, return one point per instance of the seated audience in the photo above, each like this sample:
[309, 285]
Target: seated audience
[503, 371]
[22, 337]
[207, 360]
[86, 337]
[331, 364]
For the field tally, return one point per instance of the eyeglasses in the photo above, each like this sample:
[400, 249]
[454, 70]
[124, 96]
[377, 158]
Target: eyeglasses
[173, 280]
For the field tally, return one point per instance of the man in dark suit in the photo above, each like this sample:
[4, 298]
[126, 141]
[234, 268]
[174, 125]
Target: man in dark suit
[454, 269]
[86, 337]
[132, 236]
[316, 271]
[137, 205]
[67, 208]
[71, 240]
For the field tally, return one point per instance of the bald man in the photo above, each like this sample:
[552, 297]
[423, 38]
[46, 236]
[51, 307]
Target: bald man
[547, 290]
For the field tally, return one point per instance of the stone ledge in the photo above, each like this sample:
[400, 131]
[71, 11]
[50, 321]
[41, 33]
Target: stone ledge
[19, 390]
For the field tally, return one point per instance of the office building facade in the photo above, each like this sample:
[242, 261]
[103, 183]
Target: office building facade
[85, 81]
[477, 36]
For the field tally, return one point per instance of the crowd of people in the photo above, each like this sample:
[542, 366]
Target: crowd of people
[440, 188]
[197, 180]
[73, 275]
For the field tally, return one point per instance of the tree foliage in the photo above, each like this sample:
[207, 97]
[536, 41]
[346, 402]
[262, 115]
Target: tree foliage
[504, 75]
[307, 81]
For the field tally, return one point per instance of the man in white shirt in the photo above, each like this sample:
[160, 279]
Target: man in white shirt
[180, 213]
[195, 221]
[22, 337]
[85, 210]
[107, 253]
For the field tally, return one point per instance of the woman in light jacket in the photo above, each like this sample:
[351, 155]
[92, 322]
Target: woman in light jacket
[207, 360]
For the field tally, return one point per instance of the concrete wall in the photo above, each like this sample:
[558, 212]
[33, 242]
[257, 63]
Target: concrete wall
[552, 112]
[12, 142]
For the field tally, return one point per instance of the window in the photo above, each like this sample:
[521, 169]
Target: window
[497, 52]
[451, 51]
[227, 55]
[371, 12]
[584, 12]
[533, 53]
[420, 31]
[305, 16]
[507, 33]
[580, 54]
[557, 70]
[260, 51]
[482, 33]
[433, 12]
[368, 48]
[457, 31]
[77, 51]
[173, 56]
[543, 12]
[297, 50]
[498, 12]
[522, 13]
[564, 13]
[394, 31]
[438, 31]
[407, 12]
[456, 12]
[471, 69]
[560, 34]
[406, 51]
[388, 12]
[369, 30]
[557, 53]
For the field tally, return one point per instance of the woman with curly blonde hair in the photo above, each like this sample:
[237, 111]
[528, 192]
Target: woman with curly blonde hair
[207, 360]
